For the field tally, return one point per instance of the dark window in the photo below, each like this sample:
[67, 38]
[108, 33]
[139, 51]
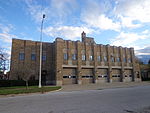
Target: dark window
[65, 76]
[43, 57]
[100, 76]
[21, 56]
[73, 76]
[65, 56]
[105, 76]
[33, 56]
[87, 76]
[83, 76]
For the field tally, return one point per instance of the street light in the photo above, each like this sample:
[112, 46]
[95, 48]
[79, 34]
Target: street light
[40, 68]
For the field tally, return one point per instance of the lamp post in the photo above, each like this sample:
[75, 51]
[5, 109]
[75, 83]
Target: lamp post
[40, 68]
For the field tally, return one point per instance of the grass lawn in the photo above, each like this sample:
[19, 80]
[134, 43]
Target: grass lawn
[22, 89]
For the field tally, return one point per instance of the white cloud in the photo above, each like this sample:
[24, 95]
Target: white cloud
[102, 22]
[6, 37]
[145, 31]
[134, 9]
[54, 9]
[128, 22]
[35, 10]
[63, 7]
[6, 28]
[127, 39]
[143, 51]
[67, 32]
[94, 15]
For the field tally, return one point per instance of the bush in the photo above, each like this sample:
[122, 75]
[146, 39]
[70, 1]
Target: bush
[10, 83]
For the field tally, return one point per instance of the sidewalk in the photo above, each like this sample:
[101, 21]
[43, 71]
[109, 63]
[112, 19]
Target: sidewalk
[76, 87]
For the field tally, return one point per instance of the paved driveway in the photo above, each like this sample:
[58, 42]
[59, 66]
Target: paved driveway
[76, 87]
[118, 100]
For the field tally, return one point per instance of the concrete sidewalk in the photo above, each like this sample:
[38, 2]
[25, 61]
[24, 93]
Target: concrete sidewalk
[76, 87]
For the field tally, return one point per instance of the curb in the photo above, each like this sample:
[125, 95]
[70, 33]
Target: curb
[24, 94]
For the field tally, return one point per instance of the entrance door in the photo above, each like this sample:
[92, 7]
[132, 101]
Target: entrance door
[43, 77]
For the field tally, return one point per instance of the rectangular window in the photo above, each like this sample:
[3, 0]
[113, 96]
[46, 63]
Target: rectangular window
[118, 59]
[21, 56]
[129, 60]
[105, 59]
[83, 57]
[74, 56]
[65, 56]
[65, 76]
[124, 59]
[91, 57]
[33, 56]
[112, 59]
[43, 57]
[98, 58]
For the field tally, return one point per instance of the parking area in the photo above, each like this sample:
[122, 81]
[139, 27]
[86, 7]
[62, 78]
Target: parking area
[77, 87]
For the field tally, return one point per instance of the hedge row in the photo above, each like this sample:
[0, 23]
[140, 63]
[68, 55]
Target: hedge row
[10, 83]
[145, 79]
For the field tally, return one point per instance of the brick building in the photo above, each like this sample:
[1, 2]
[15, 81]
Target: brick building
[73, 62]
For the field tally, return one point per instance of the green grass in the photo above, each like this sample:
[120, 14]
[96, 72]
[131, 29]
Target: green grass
[22, 89]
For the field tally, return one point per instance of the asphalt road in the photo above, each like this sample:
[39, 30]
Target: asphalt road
[118, 100]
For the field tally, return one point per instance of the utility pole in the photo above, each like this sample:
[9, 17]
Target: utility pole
[40, 67]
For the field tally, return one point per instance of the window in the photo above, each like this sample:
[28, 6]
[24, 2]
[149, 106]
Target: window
[65, 76]
[43, 57]
[91, 57]
[129, 60]
[83, 57]
[112, 59]
[21, 56]
[118, 59]
[74, 56]
[98, 58]
[69, 76]
[65, 56]
[87, 76]
[105, 59]
[124, 59]
[33, 56]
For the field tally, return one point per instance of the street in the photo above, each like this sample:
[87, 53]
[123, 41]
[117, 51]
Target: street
[116, 100]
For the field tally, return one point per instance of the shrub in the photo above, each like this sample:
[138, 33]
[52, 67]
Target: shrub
[10, 83]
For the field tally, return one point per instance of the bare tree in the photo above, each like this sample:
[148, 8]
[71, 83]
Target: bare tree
[4, 62]
[24, 74]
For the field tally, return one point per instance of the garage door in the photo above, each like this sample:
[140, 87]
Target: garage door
[69, 76]
[102, 75]
[87, 76]
[128, 75]
[116, 75]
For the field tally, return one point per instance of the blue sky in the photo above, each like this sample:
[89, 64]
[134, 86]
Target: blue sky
[116, 22]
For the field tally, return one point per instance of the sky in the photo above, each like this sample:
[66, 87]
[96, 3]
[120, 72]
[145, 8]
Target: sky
[115, 22]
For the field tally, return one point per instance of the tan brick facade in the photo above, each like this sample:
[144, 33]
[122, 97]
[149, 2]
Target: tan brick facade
[74, 62]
